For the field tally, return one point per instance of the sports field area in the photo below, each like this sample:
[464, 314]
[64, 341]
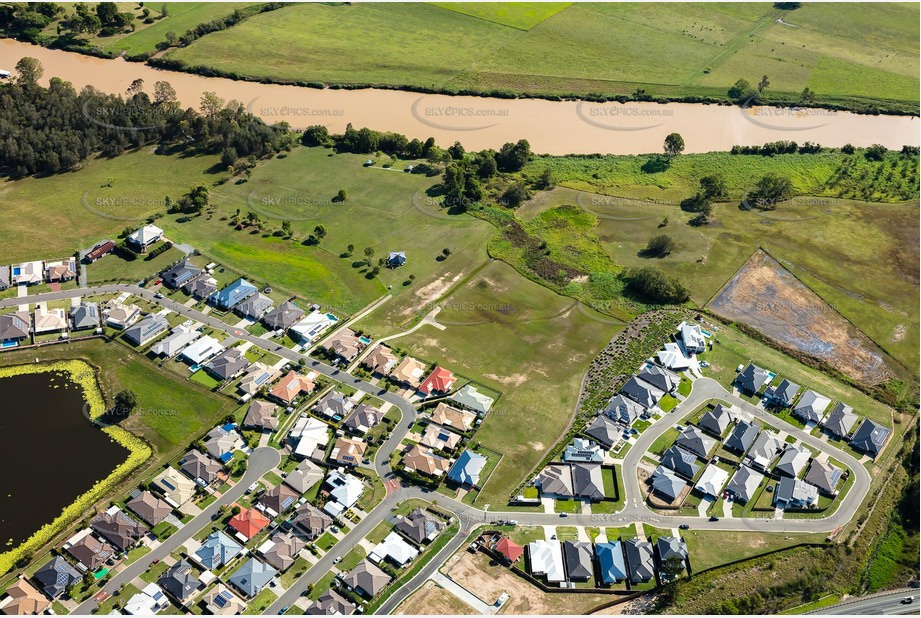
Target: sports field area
[842, 52]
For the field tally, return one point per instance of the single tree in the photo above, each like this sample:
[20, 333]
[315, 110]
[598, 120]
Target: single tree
[369, 253]
[660, 246]
[764, 83]
[446, 252]
[211, 104]
[29, 70]
[341, 196]
[320, 231]
[164, 93]
[674, 145]
[125, 402]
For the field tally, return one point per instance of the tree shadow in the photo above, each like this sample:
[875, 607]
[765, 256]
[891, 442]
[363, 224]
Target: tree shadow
[655, 164]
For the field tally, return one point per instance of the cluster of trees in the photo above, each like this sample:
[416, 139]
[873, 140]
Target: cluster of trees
[53, 129]
[712, 188]
[25, 21]
[192, 202]
[743, 92]
[652, 285]
[660, 246]
[770, 190]
[775, 148]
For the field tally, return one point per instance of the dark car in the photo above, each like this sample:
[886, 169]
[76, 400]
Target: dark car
[684, 527]
[714, 519]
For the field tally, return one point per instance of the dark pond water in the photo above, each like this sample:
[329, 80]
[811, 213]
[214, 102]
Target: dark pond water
[49, 452]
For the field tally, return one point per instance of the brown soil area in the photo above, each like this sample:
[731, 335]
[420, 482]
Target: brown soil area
[433, 599]
[767, 297]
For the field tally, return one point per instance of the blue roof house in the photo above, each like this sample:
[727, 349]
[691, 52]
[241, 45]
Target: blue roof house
[233, 294]
[466, 470]
[218, 549]
[611, 561]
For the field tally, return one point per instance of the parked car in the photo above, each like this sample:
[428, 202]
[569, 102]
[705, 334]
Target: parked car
[714, 518]
[684, 527]
[564, 514]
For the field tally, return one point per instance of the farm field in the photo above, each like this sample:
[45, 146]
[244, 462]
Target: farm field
[539, 345]
[852, 53]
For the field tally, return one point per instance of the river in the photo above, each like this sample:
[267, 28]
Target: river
[552, 127]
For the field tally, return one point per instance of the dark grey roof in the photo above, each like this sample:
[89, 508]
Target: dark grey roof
[752, 378]
[578, 556]
[715, 421]
[792, 460]
[284, 316]
[693, 439]
[671, 547]
[870, 438]
[792, 490]
[180, 274]
[56, 576]
[227, 364]
[587, 481]
[663, 379]
[742, 437]
[623, 410]
[841, 420]
[639, 560]
[201, 287]
[179, 581]
[641, 392]
[605, 430]
[85, 315]
[681, 461]
[419, 526]
[744, 483]
[255, 306]
[363, 416]
[667, 483]
[147, 329]
[783, 393]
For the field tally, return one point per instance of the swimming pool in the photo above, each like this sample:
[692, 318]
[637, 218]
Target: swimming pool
[364, 340]
[332, 317]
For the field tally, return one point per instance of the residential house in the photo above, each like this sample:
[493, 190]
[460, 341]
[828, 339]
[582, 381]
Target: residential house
[694, 440]
[579, 557]
[642, 392]
[252, 577]
[458, 419]
[605, 430]
[89, 551]
[28, 273]
[424, 461]
[55, 577]
[469, 397]
[841, 421]
[217, 550]
[466, 470]
[147, 329]
[509, 549]
[227, 365]
[311, 521]
[671, 548]
[57, 271]
[393, 549]
[681, 461]
[667, 484]
[362, 419]
[366, 579]
[744, 483]
[278, 499]
[381, 360]
[752, 378]
[179, 582]
[22, 599]
[345, 344]
[556, 480]
[201, 287]
[310, 436]
[304, 476]
[671, 356]
[584, 451]
[119, 315]
[692, 337]
[640, 560]
[221, 442]
[742, 437]
[330, 603]
[248, 522]
[420, 527]
[232, 295]
[344, 491]
[409, 372]
[824, 476]
[180, 274]
[255, 378]
[663, 379]
[439, 438]
[792, 493]
[546, 558]
[201, 350]
[712, 481]
[283, 317]
[281, 550]
[312, 326]
[115, 526]
[261, 415]
[220, 601]
[49, 320]
[611, 563]
[179, 338]
[792, 461]
[396, 259]
[348, 452]
[85, 316]
[254, 307]
[870, 438]
[781, 395]
[199, 467]
[764, 450]
[439, 382]
[176, 488]
[14, 328]
[291, 387]
[623, 410]
[587, 481]
[99, 251]
[149, 601]
[334, 405]
[150, 508]
[145, 236]
[715, 421]
[5, 277]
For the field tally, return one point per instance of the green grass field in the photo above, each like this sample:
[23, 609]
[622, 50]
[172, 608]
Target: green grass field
[709, 548]
[849, 53]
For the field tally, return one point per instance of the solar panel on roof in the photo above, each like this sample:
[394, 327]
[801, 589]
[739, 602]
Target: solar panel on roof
[222, 599]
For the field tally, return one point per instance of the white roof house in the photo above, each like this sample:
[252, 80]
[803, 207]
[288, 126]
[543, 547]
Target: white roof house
[394, 549]
[312, 326]
[202, 350]
[28, 273]
[345, 490]
[180, 337]
[583, 450]
[145, 236]
[693, 338]
[150, 600]
[672, 357]
[712, 480]
[310, 434]
[547, 560]
[49, 320]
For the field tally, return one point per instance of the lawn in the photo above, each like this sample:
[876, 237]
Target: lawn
[664, 441]
[567, 533]
[521, 15]
[203, 378]
[708, 548]
[294, 571]
[568, 506]
[115, 268]
[531, 332]
[326, 541]
[668, 403]
[260, 602]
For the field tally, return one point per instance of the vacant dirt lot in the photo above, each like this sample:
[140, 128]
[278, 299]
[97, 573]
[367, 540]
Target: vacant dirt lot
[764, 295]
[474, 572]
[433, 599]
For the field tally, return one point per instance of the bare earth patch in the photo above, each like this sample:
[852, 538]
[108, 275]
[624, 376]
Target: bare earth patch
[429, 293]
[767, 297]
[433, 599]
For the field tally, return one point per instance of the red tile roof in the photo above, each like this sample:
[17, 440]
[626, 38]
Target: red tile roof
[249, 522]
[440, 380]
[509, 549]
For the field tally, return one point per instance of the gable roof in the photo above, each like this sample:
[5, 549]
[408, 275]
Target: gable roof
[284, 316]
[841, 421]
[742, 436]
[611, 560]
[179, 338]
[233, 294]
[681, 461]
[466, 470]
[870, 437]
[217, 550]
[578, 556]
[666, 483]
[556, 479]
[100, 250]
[694, 440]
[587, 481]
[715, 420]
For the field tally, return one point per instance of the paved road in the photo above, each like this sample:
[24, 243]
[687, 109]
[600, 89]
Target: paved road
[889, 604]
[261, 461]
